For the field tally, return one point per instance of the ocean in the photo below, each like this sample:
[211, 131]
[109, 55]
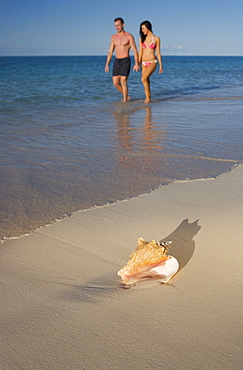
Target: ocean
[68, 142]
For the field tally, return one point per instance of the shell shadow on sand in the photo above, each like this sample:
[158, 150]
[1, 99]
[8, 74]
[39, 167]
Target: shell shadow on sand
[183, 247]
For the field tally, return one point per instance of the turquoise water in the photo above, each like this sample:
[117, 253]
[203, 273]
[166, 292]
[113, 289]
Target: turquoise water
[67, 142]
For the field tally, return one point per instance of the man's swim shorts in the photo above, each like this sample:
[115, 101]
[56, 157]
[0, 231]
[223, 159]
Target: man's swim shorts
[122, 67]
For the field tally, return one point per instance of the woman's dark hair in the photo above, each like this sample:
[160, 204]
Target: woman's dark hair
[149, 27]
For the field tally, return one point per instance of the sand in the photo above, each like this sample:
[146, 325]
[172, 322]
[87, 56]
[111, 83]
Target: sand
[62, 306]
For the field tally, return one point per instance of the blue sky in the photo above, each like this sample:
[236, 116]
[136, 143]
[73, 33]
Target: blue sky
[84, 27]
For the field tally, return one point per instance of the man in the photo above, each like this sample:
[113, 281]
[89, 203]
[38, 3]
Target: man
[122, 42]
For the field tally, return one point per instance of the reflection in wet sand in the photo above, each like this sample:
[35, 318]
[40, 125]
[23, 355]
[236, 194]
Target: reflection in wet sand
[140, 144]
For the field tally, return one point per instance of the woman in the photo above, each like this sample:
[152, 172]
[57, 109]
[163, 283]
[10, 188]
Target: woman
[149, 45]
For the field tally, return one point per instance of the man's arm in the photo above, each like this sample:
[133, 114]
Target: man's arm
[140, 52]
[109, 56]
[135, 52]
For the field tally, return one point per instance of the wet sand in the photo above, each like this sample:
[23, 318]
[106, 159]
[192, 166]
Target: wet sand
[62, 306]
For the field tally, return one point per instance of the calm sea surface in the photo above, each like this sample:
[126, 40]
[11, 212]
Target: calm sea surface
[67, 142]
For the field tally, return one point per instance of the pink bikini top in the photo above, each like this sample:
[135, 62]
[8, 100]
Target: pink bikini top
[150, 46]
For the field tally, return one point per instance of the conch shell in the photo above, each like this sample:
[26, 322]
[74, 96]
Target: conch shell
[149, 259]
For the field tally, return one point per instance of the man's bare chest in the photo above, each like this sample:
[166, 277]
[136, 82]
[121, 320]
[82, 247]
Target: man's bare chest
[121, 40]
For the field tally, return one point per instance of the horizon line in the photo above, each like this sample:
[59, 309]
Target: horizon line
[104, 55]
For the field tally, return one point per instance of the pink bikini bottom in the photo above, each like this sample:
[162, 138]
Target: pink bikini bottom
[146, 64]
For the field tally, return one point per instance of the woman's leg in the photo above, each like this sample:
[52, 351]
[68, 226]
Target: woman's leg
[146, 73]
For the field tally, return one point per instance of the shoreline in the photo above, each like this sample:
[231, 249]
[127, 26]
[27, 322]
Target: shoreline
[67, 215]
[63, 307]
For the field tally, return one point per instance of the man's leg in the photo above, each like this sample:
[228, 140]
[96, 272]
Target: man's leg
[117, 83]
[124, 87]
[120, 82]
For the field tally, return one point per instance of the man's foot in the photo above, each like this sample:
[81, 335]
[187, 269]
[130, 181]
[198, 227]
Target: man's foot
[128, 99]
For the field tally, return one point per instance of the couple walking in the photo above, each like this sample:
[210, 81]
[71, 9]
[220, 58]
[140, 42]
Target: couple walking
[149, 55]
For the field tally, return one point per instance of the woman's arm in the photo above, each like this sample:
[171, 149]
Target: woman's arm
[159, 56]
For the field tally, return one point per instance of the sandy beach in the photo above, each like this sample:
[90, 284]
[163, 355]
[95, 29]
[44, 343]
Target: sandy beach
[62, 306]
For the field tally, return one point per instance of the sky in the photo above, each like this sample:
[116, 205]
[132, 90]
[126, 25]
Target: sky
[84, 27]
